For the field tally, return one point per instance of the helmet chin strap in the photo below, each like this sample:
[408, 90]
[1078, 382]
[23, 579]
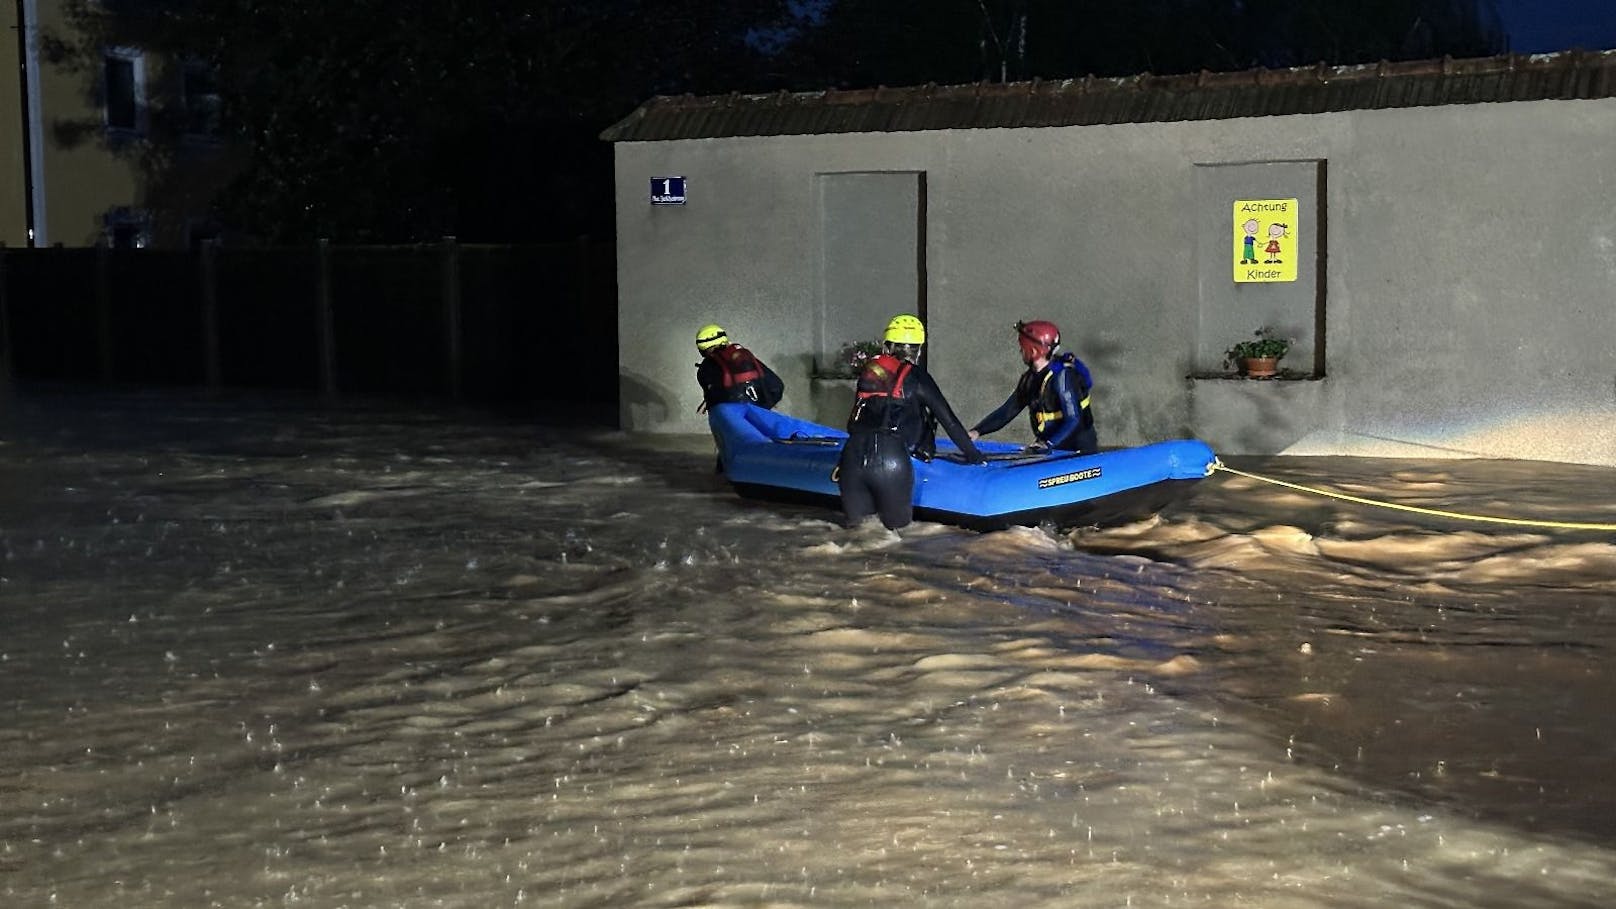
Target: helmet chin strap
[910, 352]
[1048, 349]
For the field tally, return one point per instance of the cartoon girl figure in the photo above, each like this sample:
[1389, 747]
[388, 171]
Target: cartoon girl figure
[1275, 231]
[1248, 245]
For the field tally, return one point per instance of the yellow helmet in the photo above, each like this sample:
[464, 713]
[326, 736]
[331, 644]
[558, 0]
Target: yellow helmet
[710, 336]
[905, 329]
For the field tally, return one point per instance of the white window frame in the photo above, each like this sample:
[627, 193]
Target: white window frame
[136, 58]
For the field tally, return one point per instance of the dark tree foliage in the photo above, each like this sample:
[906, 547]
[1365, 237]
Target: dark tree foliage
[400, 120]
[895, 42]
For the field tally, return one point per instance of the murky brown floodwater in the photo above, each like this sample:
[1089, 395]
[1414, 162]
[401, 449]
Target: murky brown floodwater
[257, 653]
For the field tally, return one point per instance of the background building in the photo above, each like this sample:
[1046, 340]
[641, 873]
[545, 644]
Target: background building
[1451, 225]
[102, 142]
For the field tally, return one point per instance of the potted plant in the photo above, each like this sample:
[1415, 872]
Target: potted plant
[830, 389]
[1259, 357]
[851, 358]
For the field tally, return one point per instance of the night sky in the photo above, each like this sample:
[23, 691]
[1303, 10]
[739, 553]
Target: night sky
[1544, 26]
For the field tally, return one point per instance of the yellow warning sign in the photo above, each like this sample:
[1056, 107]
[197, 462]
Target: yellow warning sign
[1265, 240]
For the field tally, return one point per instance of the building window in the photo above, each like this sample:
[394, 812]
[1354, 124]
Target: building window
[127, 228]
[201, 98]
[124, 90]
[202, 231]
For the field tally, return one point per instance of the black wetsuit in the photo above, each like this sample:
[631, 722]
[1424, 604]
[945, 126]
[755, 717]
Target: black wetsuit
[1057, 399]
[896, 414]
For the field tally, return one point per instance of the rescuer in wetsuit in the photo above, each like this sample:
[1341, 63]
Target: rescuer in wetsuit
[1055, 391]
[896, 409]
[729, 373]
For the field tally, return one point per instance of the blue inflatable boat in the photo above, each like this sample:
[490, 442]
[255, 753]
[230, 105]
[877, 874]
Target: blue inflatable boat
[775, 456]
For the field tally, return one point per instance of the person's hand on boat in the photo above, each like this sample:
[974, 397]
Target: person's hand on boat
[1037, 448]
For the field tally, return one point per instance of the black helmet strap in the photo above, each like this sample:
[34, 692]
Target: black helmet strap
[1021, 329]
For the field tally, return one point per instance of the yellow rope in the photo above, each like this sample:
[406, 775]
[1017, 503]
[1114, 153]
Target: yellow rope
[1521, 522]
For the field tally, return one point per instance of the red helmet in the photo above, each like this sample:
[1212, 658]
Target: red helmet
[1038, 339]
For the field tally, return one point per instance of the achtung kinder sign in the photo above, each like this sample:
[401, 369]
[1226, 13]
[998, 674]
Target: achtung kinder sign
[1265, 240]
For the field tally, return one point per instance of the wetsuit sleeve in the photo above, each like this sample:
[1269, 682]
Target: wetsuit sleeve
[932, 397]
[774, 387]
[1067, 390]
[1007, 411]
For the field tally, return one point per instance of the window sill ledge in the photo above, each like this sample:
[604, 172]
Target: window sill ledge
[1284, 376]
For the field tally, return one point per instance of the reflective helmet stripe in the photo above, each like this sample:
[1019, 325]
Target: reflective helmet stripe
[709, 336]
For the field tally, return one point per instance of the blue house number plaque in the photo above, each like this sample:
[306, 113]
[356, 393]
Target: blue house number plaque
[667, 190]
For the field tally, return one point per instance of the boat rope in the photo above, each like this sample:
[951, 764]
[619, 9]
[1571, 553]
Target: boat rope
[1519, 522]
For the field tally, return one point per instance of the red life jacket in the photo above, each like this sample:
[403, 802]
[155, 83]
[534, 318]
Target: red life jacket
[879, 399]
[738, 367]
[882, 377]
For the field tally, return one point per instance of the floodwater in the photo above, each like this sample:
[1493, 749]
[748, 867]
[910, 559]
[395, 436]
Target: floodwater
[260, 653]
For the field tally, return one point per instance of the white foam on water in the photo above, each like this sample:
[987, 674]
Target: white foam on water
[633, 688]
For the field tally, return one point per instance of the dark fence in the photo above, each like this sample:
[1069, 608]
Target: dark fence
[468, 322]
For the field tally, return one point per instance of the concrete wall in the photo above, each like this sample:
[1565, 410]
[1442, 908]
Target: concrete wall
[1467, 302]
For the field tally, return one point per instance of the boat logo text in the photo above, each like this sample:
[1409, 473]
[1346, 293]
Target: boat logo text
[1063, 479]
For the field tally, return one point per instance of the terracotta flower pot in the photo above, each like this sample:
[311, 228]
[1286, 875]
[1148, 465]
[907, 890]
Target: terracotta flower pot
[1260, 367]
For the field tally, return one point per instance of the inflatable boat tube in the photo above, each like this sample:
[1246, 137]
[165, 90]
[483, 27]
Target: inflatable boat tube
[771, 455]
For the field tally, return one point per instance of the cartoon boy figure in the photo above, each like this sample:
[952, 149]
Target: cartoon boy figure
[1275, 231]
[1248, 246]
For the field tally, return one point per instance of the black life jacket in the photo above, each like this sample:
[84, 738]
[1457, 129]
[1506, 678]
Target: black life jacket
[741, 375]
[878, 403]
[1044, 404]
